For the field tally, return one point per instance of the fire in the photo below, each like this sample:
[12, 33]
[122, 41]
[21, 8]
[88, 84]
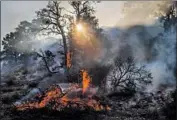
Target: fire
[68, 59]
[51, 94]
[86, 79]
[55, 99]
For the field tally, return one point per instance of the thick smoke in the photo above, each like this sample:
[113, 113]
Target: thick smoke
[143, 38]
[155, 50]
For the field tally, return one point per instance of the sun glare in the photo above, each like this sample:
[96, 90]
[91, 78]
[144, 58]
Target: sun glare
[79, 27]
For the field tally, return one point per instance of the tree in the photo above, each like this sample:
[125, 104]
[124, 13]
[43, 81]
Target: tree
[54, 22]
[18, 45]
[9, 46]
[170, 18]
[84, 12]
[85, 43]
[27, 34]
[125, 75]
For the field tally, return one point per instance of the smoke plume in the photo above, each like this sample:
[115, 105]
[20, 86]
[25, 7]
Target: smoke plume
[140, 35]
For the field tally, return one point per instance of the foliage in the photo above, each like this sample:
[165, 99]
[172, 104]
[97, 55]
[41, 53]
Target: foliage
[86, 43]
[84, 12]
[54, 21]
[170, 18]
[17, 45]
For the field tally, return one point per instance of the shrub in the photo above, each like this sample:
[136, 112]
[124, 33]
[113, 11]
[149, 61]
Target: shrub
[125, 75]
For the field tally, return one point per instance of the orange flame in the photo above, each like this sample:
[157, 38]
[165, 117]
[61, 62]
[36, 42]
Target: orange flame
[68, 59]
[60, 101]
[86, 79]
[50, 95]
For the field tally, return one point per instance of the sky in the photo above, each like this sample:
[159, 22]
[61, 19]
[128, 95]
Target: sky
[12, 12]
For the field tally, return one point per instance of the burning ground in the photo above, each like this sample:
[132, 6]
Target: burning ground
[75, 97]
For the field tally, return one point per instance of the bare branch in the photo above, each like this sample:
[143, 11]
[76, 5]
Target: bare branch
[125, 74]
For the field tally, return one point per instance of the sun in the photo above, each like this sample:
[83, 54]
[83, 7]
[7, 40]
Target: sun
[79, 27]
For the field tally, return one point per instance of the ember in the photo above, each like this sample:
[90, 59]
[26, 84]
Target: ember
[68, 59]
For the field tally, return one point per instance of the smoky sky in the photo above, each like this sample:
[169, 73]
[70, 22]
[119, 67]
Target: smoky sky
[12, 12]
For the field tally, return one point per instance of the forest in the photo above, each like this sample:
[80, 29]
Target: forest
[62, 65]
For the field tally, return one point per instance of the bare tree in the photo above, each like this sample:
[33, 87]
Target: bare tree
[126, 75]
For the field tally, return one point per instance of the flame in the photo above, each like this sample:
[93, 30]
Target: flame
[68, 59]
[86, 79]
[50, 95]
[58, 101]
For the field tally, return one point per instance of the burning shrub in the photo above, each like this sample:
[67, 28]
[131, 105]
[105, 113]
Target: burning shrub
[126, 76]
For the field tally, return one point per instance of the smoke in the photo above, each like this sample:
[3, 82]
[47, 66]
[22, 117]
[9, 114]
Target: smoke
[49, 43]
[164, 65]
[138, 34]
[142, 12]
[156, 51]
[143, 38]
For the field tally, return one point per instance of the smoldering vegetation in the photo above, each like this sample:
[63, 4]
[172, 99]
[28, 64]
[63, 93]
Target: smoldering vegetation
[148, 49]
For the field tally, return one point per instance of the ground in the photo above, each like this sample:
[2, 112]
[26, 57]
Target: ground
[140, 107]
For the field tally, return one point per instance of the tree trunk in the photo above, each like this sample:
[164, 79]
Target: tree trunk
[65, 53]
